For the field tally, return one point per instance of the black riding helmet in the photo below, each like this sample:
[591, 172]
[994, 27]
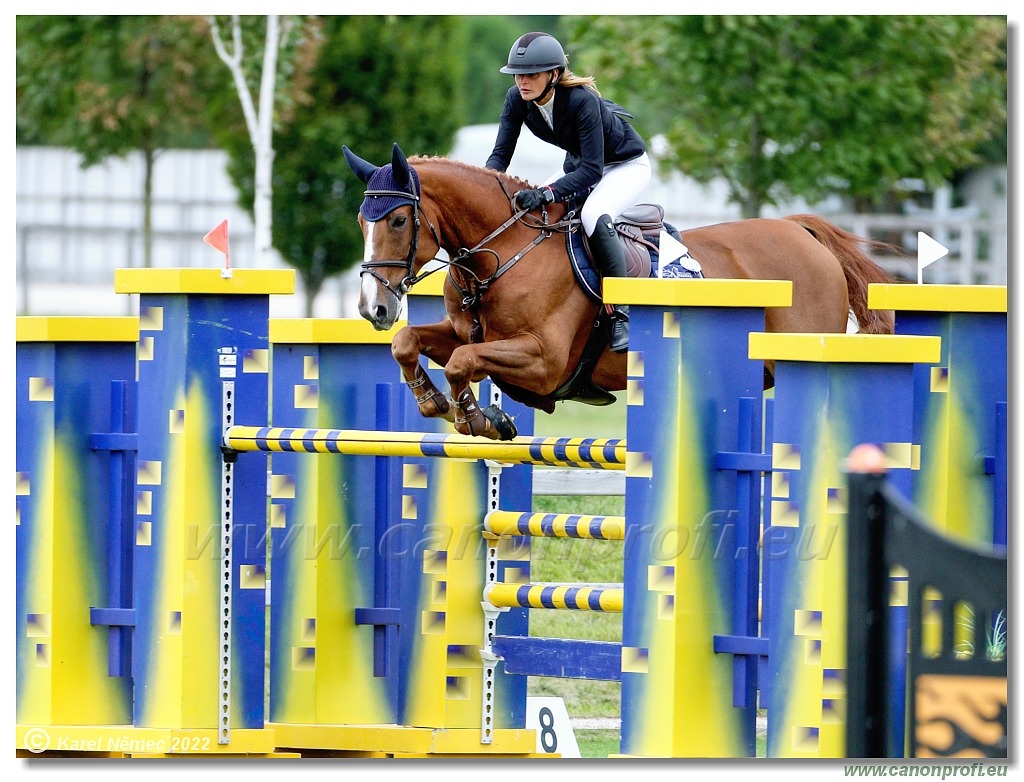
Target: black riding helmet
[535, 53]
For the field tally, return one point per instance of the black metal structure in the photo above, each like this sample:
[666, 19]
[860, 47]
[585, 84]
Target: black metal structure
[956, 690]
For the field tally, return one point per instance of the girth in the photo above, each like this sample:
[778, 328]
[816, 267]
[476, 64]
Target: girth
[580, 386]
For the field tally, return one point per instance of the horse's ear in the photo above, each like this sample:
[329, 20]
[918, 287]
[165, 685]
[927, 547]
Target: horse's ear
[359, 167]
[400, 167]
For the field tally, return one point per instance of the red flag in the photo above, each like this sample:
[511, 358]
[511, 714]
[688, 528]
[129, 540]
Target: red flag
[218, 239]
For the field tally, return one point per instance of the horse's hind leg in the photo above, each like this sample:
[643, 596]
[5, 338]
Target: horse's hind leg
[437, 342]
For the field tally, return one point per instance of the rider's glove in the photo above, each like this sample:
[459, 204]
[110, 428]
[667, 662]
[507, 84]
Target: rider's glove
[531, 199]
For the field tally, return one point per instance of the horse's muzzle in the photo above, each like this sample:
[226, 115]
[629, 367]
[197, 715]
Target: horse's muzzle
[381, 310]
[380, 315]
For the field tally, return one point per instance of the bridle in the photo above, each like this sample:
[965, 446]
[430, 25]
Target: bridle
[409, 279]
[470, 297]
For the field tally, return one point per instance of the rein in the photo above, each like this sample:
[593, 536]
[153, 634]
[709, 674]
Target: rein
[471, 298]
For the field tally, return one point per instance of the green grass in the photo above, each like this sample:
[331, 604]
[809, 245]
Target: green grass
[995, 634]
[597, 743]
[572, 419]
[583, 561]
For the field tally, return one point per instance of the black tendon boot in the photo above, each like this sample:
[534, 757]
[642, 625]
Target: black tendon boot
[607, 252]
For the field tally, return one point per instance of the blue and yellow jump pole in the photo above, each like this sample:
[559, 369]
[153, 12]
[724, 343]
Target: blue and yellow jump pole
[600, 452]
[691, 559]
[832, 392]
[74, 459]
[960, 412]
[556, 525]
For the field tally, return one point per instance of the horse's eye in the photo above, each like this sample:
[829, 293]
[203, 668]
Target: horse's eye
[398, 221]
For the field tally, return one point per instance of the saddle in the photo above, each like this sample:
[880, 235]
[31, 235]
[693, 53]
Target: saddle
[639, 229]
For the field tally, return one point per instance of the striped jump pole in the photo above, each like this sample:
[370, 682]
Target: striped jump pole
[606, 453]
[573, 597]
[566, 658]
[960, 405]
[556, 525]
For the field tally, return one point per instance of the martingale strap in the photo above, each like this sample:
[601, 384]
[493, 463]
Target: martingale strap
[470, 298]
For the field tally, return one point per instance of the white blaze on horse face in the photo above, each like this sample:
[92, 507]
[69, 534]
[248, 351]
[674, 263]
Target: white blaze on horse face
[368, 288]
[377, 305]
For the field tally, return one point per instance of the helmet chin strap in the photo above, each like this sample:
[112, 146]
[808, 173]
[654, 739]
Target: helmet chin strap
[555, 76]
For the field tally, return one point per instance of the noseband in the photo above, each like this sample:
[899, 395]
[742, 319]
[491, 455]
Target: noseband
[409, 279]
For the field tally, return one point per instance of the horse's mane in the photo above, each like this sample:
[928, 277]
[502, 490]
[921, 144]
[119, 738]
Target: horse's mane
[517, 184]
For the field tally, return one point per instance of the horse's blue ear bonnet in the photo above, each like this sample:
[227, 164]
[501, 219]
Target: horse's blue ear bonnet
[386, 186]
[376, 207]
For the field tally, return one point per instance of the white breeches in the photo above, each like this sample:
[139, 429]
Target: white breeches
[619, 189]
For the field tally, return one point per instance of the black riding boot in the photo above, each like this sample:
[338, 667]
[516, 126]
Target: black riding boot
[607, 252]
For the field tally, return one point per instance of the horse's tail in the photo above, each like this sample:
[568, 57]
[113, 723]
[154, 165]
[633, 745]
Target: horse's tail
[859, 269]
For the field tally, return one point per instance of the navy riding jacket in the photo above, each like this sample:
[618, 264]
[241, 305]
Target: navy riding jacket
[589, 128]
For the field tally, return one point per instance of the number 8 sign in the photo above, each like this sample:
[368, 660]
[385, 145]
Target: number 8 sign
[549, 718]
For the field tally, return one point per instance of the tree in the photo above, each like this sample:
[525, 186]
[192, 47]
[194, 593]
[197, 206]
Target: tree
[259, 116]
[110, 85]
[491, 36]
[806, 106]
[376, 80]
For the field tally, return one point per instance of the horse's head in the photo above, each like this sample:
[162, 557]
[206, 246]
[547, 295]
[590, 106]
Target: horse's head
[390, 219]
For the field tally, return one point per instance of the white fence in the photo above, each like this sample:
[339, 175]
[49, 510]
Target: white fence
[76, 226]
[978, 246]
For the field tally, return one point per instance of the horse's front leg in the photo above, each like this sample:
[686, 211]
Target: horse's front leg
[437, 342]
[518, 360]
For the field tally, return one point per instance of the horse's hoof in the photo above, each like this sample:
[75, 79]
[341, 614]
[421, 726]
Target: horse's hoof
[501, 421]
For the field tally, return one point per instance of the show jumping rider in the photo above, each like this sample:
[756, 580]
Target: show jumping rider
[602, 150]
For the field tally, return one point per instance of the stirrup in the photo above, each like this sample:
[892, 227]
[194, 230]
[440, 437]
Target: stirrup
[619, 340]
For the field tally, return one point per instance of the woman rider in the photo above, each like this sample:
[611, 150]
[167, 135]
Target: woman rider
[602, 150]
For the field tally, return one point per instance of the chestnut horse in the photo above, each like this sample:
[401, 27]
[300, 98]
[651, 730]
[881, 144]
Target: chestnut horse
[515, 312]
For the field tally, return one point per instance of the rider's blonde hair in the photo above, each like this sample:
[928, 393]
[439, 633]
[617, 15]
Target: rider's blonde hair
[570, 79]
